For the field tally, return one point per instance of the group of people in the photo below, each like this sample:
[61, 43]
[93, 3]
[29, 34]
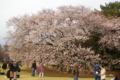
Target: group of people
[99, 72]
[13, 68]
[40, 70]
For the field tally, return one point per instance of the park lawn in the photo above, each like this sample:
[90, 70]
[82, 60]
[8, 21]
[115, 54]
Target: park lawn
[27, 76]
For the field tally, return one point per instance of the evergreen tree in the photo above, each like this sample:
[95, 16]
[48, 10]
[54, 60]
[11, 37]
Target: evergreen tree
[111, 9]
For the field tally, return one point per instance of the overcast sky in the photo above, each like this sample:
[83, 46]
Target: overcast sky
[11, 8]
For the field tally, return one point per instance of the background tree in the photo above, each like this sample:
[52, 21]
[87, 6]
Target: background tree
[111, 9]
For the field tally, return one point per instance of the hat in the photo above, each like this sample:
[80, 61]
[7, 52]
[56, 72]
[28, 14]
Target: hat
[76, 63]
[97, 65]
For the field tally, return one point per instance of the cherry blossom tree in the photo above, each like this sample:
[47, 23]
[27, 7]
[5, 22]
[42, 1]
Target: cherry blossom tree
[51, 36]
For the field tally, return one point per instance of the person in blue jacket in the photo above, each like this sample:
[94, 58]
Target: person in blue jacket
[97, 70]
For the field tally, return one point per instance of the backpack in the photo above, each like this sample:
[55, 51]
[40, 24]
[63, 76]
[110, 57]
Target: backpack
[8, 74]
[19, 70]
[18, 76]
[2, 73]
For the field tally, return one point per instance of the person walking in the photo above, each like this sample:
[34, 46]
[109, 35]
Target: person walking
[76, 72]
[4, 67]
[11, 67]
[33, 68]
[103, 72]
[41, 70]
[16, 67]
[8, 71]
[97, 70]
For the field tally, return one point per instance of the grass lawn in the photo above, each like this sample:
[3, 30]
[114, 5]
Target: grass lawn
[27, 76]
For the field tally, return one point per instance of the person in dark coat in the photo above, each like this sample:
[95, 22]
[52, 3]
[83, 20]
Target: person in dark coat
[11, 68]
[33, 68]
[76, 75]
[34, 65]
[8, 72]
[4, 67]
[97, 70]
[117, 77]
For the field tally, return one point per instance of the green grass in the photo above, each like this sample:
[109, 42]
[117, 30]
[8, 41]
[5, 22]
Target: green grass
[27, 76]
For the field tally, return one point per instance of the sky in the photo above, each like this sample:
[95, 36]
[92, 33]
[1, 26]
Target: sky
[12, 8]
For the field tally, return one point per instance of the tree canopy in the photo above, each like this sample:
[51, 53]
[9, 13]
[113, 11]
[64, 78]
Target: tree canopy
[111, 9]
[56, 35]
